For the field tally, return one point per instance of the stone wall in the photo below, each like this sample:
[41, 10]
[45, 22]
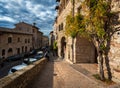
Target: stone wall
[114, 54]
[21, 78]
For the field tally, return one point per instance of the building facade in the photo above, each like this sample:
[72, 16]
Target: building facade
[72, 52]
[81, 50]
[51, 39]
[45, 41]
[20, 40]
[114, 54]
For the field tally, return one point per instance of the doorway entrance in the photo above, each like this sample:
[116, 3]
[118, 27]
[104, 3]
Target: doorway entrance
[63, 47]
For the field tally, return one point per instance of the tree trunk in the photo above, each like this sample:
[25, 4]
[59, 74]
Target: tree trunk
[100, 60]
[107, 59]
[108, 67]
[101, 71]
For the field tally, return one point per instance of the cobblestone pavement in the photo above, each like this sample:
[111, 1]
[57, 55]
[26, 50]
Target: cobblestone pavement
[60, 74]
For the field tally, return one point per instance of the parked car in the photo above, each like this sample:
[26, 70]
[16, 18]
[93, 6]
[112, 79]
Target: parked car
[38, 56]
[17, 67]
[29, 60]
[15, 58]
[33, 52]
[40, 53]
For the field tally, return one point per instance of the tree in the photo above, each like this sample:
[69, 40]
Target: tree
[96, 24]
[74, 27]
[100, 27]
[55, 48]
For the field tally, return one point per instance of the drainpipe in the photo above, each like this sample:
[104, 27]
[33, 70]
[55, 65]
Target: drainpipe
[73, 10]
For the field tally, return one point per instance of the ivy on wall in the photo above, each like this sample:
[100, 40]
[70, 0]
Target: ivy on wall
[74, 25]
[96, 23]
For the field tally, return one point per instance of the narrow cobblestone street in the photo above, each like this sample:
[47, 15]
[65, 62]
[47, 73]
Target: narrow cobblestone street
[60, 74]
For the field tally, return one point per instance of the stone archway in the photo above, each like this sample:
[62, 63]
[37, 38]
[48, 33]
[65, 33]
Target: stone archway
[63, 46]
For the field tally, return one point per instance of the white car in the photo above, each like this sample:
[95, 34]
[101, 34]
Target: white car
[40, 53]
[29, 60]
[16, 68]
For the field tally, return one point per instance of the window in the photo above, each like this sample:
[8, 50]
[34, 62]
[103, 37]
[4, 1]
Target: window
[18, 39]
[61, 26]
[9, 50]
[9, 39]
[3, 52]
[26, 49]
[79, 9]
[28, 40]
[22, 49]
[25, 40]
[18, 50]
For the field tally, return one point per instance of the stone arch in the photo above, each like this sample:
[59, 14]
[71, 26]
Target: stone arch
[63, 46]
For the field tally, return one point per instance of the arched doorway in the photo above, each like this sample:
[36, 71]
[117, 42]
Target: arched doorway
[85, 51]
[10, 52]
[63, 47]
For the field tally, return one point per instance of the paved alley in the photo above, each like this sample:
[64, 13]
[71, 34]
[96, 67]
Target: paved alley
[60, 74]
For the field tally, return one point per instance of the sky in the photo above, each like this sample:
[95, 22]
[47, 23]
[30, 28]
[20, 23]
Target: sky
[42, 12]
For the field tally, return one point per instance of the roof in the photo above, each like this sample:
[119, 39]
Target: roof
[8, 30]
[32, 25]
[23, 23]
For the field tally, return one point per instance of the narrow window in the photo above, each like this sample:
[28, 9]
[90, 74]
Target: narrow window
[25, 40]
[18, 50]
[26, 49]
[9, 39]
[18, 39]
[3, 52]
[28, 40]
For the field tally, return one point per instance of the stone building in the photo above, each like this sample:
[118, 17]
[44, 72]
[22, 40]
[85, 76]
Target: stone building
[81, 50]
[51, 39]
[39, 39]
[28, 28]
[45, 41]
[19, 40]
[13, 42]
